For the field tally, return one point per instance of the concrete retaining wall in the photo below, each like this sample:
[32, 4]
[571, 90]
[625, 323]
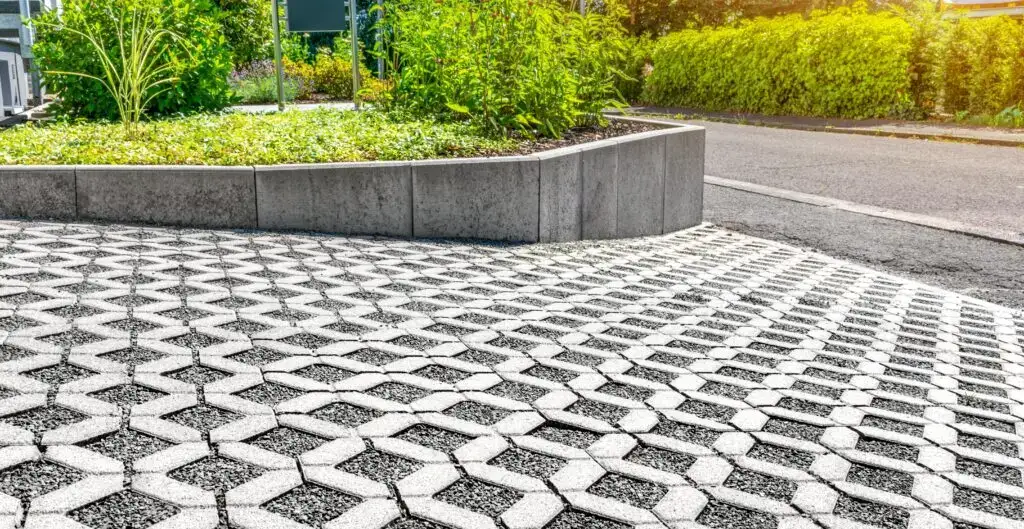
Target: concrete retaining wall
[642, 184]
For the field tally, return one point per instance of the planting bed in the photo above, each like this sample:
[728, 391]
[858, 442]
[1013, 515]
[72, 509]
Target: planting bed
[644, 183]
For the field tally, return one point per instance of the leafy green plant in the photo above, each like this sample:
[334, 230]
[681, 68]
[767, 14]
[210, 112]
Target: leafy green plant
[844, 63]
[531, 66]
[180, 40]
[634, 67]
[236, 138]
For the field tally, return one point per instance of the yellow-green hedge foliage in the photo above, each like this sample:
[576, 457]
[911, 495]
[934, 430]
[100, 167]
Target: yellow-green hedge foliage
[984, 65]
[846, 63]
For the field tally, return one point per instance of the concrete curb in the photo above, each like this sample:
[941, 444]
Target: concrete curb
[873, 211]
[758, 122]
[648, 183]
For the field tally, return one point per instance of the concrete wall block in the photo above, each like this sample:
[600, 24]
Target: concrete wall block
[684, 179]
[599, 169]
[641, 189]
[479, 198]
[353, 198]
[210, 197]
[561, 187]
[37, 192]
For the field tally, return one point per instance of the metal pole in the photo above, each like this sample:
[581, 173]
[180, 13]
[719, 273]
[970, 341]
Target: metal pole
[380, 40]
[353, 29]
[276, 22]
[583, 7]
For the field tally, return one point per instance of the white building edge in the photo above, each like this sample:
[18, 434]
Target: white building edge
[983, 8]
[19, 82]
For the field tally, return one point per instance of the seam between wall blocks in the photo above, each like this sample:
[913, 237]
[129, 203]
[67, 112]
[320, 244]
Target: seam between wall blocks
[256, 198]
[78, 215]
[615, 195]
[582, 187]
[540, 199]
[412, 201]
[664, 183]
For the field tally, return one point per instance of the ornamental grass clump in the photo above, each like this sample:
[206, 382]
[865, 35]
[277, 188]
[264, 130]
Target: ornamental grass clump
[122, 59]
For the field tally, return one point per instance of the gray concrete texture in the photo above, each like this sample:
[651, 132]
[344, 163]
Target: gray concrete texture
[37, 192]
[372, 198]
[209, 197]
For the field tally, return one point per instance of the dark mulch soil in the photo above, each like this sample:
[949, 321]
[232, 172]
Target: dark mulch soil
[577, 136]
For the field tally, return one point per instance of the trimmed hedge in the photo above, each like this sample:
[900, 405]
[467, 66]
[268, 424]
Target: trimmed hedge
[846, 63]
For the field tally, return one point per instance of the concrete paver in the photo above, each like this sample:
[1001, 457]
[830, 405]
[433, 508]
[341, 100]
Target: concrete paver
[202, 379]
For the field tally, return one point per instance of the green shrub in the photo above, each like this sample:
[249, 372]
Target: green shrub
[846, 63]
[984, 66]
[332, 74]
[199, 57]
[246, 26]
[531, 66]
[329, 74]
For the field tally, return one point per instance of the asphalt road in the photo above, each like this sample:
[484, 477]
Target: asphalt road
[974, 184]
[976, 267]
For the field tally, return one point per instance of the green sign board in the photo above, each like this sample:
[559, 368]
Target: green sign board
[312, 16]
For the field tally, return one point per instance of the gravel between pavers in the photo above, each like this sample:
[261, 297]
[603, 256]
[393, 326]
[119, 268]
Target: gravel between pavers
[380, 466]
[528, 462]
[996, 504]
[570, 519]
[124, 510]
[881, 479]
[287, 441]
[637, 493]
[433, 437]
[216, 474]
[661, 459]
[478, 496]
[876, 514]
[311, 504]
[269, 393]
[30, 480]
[761, 484]
[719, 515]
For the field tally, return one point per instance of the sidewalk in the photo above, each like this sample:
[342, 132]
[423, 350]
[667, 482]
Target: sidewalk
[870, 127]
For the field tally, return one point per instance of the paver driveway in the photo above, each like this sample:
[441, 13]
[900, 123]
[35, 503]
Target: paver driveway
[198, 379]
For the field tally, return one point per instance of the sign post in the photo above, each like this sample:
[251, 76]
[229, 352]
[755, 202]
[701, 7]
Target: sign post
[275, 20]
[380, 40]
[353, 25]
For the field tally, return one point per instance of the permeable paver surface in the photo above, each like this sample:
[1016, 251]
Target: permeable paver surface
[202, 379]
